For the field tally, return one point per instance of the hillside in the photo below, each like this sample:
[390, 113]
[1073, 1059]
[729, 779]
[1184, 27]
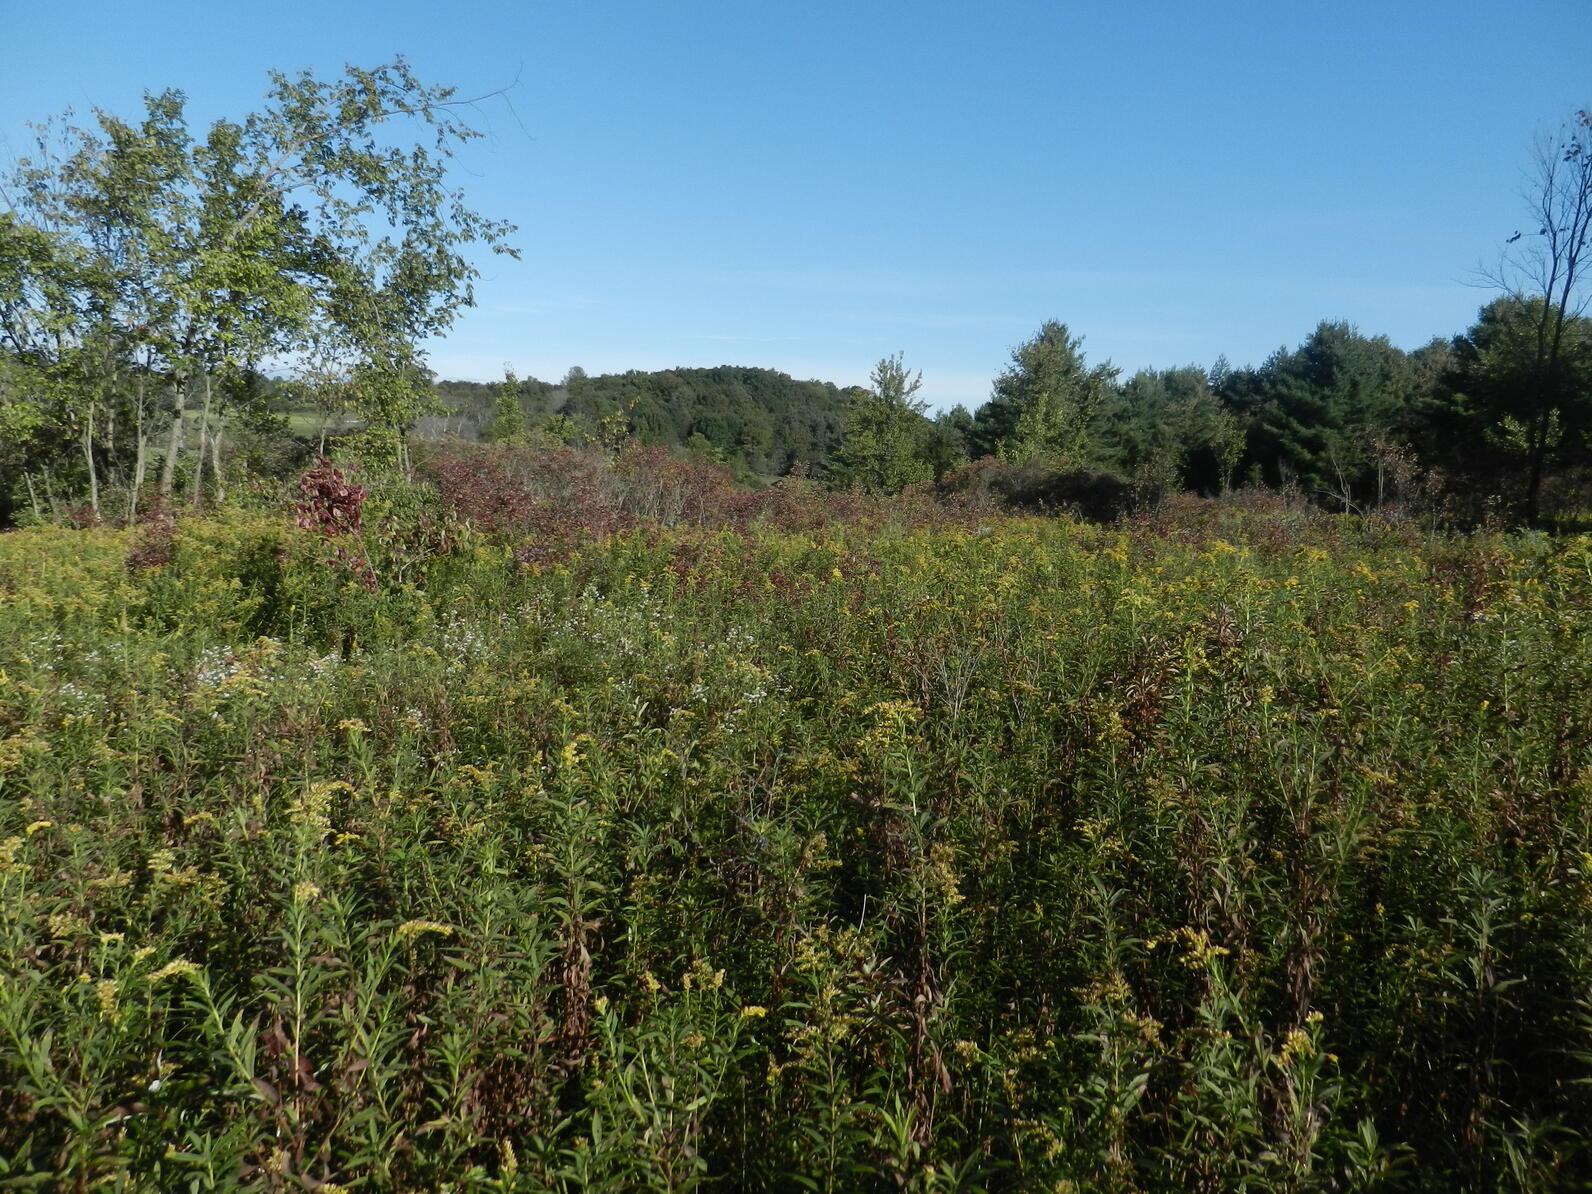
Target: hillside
[758, 421]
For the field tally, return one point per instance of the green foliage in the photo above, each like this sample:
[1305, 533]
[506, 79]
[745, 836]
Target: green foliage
[883, 449]
[1511, 413]
[145, 272]
[1043, 403]
[508, 420]
[756, 422]
[1317, 412]
[1169, 431]
[1235, 848]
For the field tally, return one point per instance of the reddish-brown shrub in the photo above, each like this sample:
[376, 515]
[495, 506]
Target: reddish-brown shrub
[558, 497]
[331, 504]
[156, 542]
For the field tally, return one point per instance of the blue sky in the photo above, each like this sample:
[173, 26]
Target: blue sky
[813, 186]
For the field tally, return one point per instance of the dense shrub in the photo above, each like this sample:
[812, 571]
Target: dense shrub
[1039, 488]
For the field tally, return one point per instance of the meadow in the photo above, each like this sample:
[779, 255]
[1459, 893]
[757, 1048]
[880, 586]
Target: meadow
[1231, 847]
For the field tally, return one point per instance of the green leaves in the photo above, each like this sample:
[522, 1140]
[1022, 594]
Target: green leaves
[1044, 401]
[308, 235]
[883, 447]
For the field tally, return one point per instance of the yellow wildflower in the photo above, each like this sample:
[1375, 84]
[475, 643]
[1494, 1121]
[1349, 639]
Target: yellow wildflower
[105, 992]
[177, 968]
[414, 928]
[1298, 1044]
[66, 925]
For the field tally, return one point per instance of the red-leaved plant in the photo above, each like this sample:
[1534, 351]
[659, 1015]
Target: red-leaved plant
[331, 504]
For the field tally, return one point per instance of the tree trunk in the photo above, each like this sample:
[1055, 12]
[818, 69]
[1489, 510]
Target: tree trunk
[88, 455]
[215, 456]
[1537, 464]
[168, 468]
[196, 482]
[141, 450]
[140, 470]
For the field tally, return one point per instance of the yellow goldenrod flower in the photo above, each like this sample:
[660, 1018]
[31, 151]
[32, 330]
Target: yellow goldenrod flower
[105, 992]
[1298, 1044]
[178, 968]
[64, 926]
[414, 928]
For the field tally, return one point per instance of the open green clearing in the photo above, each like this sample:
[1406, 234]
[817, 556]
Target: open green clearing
[1228, 849]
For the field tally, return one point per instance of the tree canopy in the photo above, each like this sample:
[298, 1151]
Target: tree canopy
[885, 435]
[145, 267]
[1043, 402]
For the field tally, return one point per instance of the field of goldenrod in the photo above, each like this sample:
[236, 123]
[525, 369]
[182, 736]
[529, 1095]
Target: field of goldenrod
[1225, 850]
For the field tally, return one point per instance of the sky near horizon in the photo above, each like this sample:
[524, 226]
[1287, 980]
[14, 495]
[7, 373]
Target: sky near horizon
[813, 187]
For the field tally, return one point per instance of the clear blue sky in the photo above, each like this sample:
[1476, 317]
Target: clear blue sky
[813, 186]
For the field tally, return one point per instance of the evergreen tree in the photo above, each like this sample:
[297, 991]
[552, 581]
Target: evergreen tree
[881, 449]
[508, 420]
[1043, 403]
[1317, 412]
[1167, 430]
[1506, 426]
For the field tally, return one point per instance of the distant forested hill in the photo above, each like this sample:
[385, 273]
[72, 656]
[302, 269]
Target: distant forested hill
[757, 420]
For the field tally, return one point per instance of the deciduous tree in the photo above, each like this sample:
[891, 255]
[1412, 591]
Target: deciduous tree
[1548, 267]
[137, 260]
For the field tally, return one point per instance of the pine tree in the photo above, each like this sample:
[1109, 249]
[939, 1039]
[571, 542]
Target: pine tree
[881, 451]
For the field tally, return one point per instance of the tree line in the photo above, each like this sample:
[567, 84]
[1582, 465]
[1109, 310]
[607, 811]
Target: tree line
[151, 275]
[1347, 418]
[1499, 415]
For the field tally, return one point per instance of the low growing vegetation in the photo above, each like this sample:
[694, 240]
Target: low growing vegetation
[1235, 846]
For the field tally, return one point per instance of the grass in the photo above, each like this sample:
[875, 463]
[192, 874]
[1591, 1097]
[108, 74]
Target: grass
[1226, 850]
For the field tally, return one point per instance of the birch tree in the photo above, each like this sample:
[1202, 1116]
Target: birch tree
[145, 273]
